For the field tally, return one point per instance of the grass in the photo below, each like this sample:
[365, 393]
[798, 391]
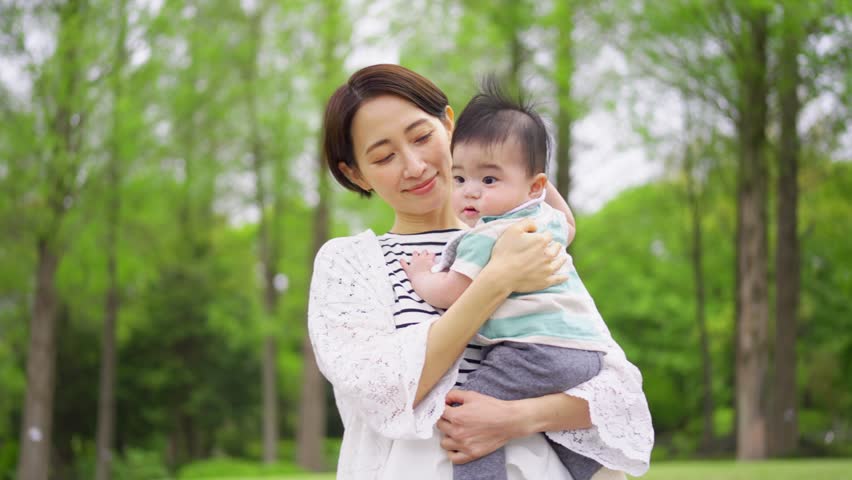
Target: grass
[816, 469]
[821, 469]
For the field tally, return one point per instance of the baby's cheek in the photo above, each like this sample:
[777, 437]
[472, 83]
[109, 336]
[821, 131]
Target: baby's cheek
[456, 200]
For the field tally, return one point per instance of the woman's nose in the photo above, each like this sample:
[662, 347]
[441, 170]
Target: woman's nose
[414, 165]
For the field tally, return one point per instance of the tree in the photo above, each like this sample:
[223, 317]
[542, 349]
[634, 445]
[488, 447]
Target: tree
[312, 405]
[106, 401]
[563, 78]
[695, 202]
[752, 243]
[61, 90]
[268, 201]
[720, 59]
[784, 424]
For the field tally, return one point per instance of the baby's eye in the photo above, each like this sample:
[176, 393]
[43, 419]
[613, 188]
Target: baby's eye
[489, 180]
[458, 180]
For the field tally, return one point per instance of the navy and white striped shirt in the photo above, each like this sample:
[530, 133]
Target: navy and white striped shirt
[409, 308]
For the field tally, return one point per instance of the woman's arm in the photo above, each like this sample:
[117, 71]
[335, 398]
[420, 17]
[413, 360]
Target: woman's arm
[380, 373]
[482, 424]
[516, 265]
[612, 402]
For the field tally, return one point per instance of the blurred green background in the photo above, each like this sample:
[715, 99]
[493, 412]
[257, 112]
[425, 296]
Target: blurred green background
[161, 200]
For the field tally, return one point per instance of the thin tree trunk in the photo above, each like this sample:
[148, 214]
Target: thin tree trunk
[106, 401]
[516, 52]
[693, 194]
[37, 423]
[109, 361]
[312, 411]
[696, 254]
[784, 425]
[753, 357]
[267, 251]
[709, 433]
[564, 74]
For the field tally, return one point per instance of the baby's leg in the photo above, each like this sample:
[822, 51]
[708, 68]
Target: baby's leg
[581, 468]
[515, 370]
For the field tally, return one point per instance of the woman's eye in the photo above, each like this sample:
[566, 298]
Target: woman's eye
[459, 180]
[489, 180]
[423, 138]
[384, 160]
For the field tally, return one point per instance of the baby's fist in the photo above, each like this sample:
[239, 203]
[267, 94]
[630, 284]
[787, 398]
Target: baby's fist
[421, 262]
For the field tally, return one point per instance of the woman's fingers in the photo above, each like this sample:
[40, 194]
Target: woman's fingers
[459, 458]
[444, 426]
[558, 262]
[553, 249]
[450, 444]
[527, 225]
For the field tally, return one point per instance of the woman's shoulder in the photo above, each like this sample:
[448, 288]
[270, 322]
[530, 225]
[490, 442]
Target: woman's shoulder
[348, 244]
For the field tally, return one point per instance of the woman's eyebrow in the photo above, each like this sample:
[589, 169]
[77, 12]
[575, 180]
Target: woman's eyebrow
[376, 145]
[415, 124]
[385, 141]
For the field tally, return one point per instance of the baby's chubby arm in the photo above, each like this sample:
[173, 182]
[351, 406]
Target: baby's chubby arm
[555, 200]
[438, 289]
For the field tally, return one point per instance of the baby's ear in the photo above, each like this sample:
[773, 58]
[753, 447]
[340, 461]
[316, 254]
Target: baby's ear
[538, 184]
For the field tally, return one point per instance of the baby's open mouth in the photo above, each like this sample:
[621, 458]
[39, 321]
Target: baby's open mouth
[470, 211]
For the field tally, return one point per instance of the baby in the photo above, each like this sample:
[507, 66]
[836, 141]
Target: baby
[536, 343]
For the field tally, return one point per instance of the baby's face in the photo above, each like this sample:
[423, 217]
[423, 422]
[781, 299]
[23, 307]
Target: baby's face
[488, 180]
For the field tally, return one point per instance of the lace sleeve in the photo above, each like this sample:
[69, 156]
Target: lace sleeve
[621, 436]
[374, 367]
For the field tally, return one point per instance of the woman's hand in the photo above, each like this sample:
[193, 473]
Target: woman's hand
[525, 261]
[478, 426]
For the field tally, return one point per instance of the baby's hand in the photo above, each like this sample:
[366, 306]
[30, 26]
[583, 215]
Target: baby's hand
[421, 263]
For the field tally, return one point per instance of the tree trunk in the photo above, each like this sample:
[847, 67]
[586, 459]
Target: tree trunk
[106, 399]
[267, 251]
[270, 400]
[104, 441]
[696, 253]
[753, 357]
[693, 194]
[37, 422]
[784, 424]
[564, 74]
[312, 411]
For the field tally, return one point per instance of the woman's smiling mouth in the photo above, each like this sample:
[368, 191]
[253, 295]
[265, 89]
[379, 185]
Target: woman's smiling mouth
[424, 187]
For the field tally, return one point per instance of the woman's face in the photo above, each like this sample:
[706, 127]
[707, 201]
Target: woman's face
[403, 154]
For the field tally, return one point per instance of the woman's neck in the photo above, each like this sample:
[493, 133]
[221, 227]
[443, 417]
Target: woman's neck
[441, 219]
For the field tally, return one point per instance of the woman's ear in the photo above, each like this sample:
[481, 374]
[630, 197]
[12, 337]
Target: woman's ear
[354, 176]
[538, 185]
[449, 119]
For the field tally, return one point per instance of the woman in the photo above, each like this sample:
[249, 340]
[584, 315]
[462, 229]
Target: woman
[392, 359]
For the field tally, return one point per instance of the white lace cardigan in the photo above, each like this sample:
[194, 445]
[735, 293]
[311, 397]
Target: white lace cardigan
[375, 368]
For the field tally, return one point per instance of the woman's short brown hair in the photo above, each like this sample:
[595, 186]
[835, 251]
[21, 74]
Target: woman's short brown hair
[363, 85]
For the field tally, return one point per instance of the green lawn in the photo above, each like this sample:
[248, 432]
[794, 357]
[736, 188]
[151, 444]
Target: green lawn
[773, 470]
[715, 470]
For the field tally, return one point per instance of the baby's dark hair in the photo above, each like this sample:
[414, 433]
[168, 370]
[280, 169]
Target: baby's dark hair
[492, 117]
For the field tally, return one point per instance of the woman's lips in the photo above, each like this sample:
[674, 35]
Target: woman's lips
[424, 187]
